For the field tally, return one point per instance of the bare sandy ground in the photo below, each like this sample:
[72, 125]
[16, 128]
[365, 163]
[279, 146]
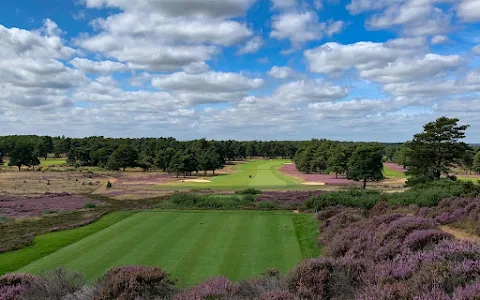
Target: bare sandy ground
[196, 180]
[460, 234]
[313, 183]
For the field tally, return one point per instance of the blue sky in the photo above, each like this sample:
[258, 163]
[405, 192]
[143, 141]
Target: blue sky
[242, 69]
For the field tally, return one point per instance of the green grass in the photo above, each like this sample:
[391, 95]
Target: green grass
[46, 244]
[265, 175]
[474, 180]
[387, 172]
[306, 229]
[52, 161]
[191, 245]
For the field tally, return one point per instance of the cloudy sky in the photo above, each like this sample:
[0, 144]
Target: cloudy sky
[243, 69]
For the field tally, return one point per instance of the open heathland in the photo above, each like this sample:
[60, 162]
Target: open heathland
[192, 246]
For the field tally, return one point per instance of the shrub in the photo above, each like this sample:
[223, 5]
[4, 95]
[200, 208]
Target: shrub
[278, 295]
[265, 205]
[3, 218]
[133, 282]
[211, 289]
[13, 286]
[54, 285]
[249, 198]
[90, 205]
[109, 185]
[249, 191]
[50, 212]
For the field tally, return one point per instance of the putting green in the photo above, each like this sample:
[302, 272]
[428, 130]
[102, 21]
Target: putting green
[192, 246]
[261, 174]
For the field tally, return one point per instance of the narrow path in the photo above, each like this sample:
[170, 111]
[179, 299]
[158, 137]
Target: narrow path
[460, 234]
[103, 186]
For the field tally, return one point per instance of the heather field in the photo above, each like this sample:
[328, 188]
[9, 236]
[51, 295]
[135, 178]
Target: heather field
[192, 246]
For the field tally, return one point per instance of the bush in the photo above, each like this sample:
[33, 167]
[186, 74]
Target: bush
[249, 198]
[132, 282]
[109, 185]
[249, 191]
[211, 289]
[13, 286]
[90, 206]
[54, 284]
[50, 212]
[3, 218]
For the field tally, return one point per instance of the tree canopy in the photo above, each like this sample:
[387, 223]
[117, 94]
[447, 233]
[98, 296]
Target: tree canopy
[23, 154]
[435, 151]
[366, 163]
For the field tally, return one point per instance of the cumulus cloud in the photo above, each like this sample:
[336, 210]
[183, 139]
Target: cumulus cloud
[334, 57]
[97, 67]
[406, 70]
[251, 46]
[281, 72]
[283, 4]
[313, 90]
[167, 35]
[469, 10]
[356, 109]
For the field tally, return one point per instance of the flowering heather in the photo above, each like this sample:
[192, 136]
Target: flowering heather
[291, 170]
[131, 282]
[13, 286]
[16, 206]
[153, 178]
[469, 292]
[278, 295]
[213, 288]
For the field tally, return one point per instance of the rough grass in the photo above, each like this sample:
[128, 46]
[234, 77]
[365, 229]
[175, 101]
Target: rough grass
[52, 161]
[191, 245]
[46, 244]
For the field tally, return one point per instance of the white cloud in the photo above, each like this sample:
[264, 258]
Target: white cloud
[476, 50]
[334, 57]
[314, 90]
[360, 6]
[299, 28]
[348, 110]
[176, 8]
[407, 70]
[440, 39]
[469, 10]
[206, 82]
[97, 67]
[281, 72]
[197, 68]
[252, 46]
[334, 27]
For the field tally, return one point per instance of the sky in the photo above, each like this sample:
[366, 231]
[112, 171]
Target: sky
[361, 70]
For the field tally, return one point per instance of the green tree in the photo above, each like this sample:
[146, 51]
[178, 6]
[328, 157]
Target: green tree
[435, 151]
[124, 157]
[23, 154]
[366, 163]
[476, 163]
[164, 157]
[338, 162]
[209, 161]
[400, 156]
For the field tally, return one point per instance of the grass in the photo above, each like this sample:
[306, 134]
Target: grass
[307, 234]
[46, 244]
[52, 161]
[265, 174]
[192, 245]
[387, 172]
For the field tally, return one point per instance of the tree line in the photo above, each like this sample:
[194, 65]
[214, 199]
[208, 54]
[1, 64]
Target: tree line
[166, 154]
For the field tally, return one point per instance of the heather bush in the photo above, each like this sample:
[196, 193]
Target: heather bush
[131, 282]
[13, 286]
[212, 289]
[278, 295]
[326, 278]
[469, 292]
[54, 284]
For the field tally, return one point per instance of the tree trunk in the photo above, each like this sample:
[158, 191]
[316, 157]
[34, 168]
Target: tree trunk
[19, 168]
[336, 175]
[364, 183]
[205, 172]
[124, 169]
[214, 172]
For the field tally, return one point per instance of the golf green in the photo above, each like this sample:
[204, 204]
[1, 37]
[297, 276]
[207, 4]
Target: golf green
[192, 246]
[261, 174]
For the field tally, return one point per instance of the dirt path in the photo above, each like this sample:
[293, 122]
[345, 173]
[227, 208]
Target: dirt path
[460, 234]
[103, 187]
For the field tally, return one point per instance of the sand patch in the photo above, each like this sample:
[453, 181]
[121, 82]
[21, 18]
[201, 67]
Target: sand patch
[313, 183]
[290, 163]
[459, 234]
[296, 211]
[196, 180]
